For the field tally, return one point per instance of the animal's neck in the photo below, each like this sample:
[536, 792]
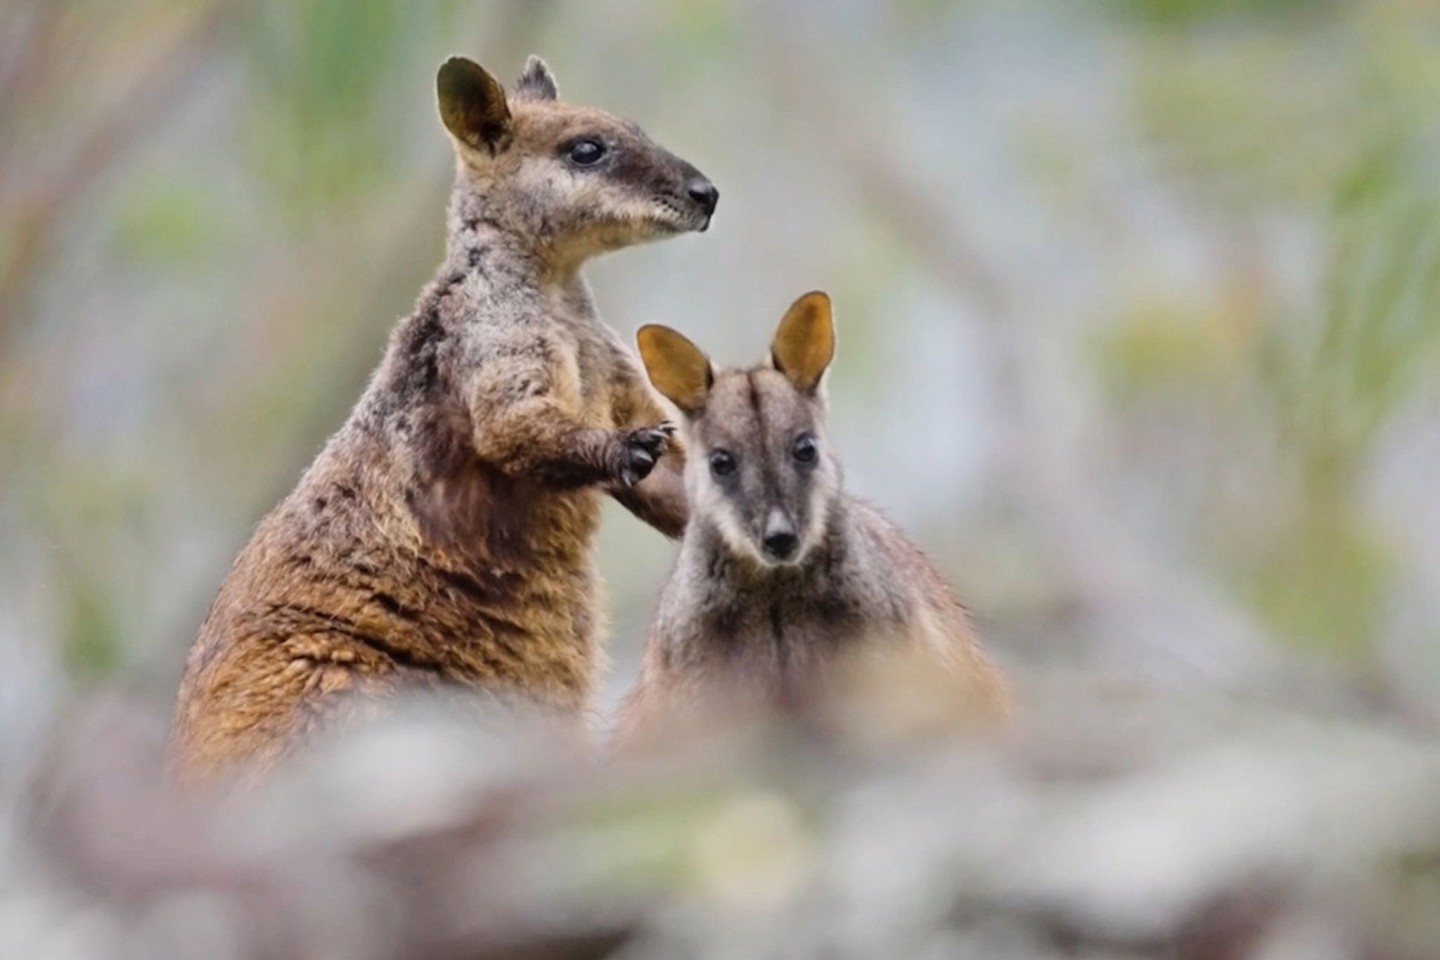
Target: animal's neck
[491, 273]
[480, 239]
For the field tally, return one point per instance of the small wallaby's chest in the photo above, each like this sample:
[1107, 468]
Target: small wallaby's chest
[784, 625]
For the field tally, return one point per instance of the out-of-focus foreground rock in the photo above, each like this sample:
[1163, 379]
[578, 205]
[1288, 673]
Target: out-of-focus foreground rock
[1106, 823]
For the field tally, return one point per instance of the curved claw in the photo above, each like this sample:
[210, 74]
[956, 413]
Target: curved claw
[643, 447]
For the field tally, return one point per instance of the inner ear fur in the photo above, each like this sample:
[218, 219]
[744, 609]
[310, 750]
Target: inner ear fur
[472, 104]
[677, 368]
[804, 342]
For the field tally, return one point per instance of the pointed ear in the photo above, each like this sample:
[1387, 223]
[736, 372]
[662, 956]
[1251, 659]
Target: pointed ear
[536, 81]
[804, 342]
[472, 104]
[677, 368]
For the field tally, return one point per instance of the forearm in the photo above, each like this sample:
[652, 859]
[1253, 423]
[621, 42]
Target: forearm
[539, 440]
[660, 499]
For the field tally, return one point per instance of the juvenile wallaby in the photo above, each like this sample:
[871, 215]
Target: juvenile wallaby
[780, 572]
[443, 535]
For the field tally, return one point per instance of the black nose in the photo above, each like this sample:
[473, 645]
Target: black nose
[781, 544]
[703, 192]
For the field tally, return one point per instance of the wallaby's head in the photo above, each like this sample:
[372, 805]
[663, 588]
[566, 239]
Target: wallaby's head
[760, 471]
[577, 180]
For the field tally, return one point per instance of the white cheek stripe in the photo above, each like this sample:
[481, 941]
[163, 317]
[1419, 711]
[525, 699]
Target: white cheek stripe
[707, 503]
[822, 499]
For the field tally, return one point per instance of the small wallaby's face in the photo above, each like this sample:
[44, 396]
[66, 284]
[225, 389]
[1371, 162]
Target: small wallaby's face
[579, 180]
[760, 470]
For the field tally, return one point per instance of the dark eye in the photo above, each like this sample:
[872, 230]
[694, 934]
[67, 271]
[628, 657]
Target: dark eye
[805, 450]
[584, 153]
[722, 463]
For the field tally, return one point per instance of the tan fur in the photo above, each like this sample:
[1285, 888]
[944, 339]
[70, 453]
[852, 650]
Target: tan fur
[741, 626]
[442, 538]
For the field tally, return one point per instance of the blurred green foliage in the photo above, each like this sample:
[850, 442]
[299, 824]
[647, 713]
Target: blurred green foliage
[171, 225]
[328, 133]
[1335, 385]
[1328, 120]
[1206, 11]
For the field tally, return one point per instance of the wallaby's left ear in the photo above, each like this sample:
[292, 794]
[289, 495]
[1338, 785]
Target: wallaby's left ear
[536, 81]
[804, 342]
[678, 369]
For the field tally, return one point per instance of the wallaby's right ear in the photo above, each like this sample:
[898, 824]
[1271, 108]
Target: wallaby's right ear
[678, 369]
[472, 104]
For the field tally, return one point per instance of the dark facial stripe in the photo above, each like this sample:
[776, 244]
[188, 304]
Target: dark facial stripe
[752, 396]
[771, 483]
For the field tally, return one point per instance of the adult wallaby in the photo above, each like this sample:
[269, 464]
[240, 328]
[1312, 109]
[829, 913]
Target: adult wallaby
[443, 536]
[781, 574]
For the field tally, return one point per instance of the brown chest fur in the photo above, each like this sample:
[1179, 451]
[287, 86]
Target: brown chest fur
[400, 561]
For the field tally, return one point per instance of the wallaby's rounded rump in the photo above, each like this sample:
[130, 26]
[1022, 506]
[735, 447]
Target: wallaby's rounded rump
[442, 538]
[784, 581]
